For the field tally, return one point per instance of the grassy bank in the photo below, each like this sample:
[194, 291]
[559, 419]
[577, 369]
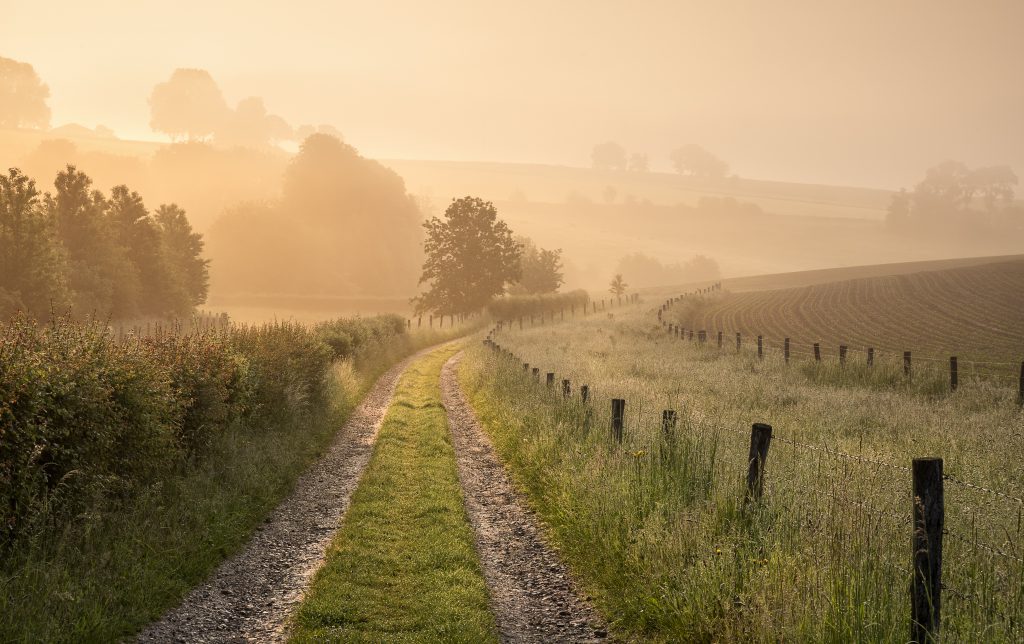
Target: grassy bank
[657, 529]
[171, 452]
[403, 566]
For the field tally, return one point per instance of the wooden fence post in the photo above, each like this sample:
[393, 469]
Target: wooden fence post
[689, 335]
[1020, 390]
[760, 348]
[526, 367]
[785, 350]
[668, 421]
[906, 363]
[952, 374]
[618, 418]
[760, 439]
[719, 339]
[551, 380]
[584, 393]
[929, 519]
[565, 389]
[817, 352]
[737, 342]
[536, 374]
[871, 356]
[842, 354]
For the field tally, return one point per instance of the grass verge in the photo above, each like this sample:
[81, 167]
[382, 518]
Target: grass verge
[403, 566]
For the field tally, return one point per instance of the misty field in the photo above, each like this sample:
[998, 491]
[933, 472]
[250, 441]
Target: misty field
[657, 528]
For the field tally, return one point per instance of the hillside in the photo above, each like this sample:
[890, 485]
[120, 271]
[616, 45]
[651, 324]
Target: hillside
[973, 311]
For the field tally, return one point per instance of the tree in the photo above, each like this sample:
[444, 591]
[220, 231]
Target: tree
[694, 161]
[22, 96]
[638, 162]
[100, 277]
[250, 126]
[897, 214]
[608, 156]
[470, 257]
[189, 104]
[618, 286]
[32, 266]
[136, 231]
[183, 250]
[540, 269]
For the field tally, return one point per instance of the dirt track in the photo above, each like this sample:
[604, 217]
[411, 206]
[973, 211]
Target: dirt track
[531, 592]
[251, 595]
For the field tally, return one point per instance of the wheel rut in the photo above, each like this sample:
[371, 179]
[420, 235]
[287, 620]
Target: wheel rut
[532, 594]
[251, 596]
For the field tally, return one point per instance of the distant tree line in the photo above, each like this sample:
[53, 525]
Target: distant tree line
[690, 160]
[953, 198]
[644, 270]
[96, 254]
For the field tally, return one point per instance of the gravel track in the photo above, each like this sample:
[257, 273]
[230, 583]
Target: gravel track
[531, 591]
[251, 596]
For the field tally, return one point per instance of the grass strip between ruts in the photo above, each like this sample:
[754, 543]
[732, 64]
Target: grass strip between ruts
[403, 566]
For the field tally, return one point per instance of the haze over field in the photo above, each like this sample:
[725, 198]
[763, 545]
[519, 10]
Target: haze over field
[641, 140]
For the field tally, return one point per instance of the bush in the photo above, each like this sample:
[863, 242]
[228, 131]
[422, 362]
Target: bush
[515, 306]
[86, 419]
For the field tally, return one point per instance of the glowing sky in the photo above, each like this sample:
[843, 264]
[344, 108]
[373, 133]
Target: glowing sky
[866, 93]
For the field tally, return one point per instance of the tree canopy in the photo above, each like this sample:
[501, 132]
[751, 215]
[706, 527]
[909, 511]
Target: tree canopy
[189, 104]
[955, 198]
[470, 257]
[99, 255]
[694, 161]
[22, 96]
[540, 269]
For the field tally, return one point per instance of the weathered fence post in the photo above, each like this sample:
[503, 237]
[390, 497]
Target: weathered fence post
[785, 350]
[689, 335]
[565, 389]
[702, 336]
[929, 519]
[817, 352]
[1020, 390]
[738, 341]
[536, 374]
[551, 380]
[760, 439]
[952, 374]
[618, 418]
[584, 393]
[906, 363]
[719, 339]
[668, 421]
[760, 348]
[871, 356]
[526, 367]
[842, 354]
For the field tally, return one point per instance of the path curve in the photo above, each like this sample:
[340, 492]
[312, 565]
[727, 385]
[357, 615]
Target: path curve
[250, 596]
[531, 591]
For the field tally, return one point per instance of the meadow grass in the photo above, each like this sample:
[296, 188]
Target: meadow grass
[119, 564]
[657, 528]
[403, 566]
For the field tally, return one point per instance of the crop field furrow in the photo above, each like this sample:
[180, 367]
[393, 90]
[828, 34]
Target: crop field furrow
[974, 312]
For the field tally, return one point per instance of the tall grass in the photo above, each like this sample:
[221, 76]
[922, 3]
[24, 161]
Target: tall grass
[657, 527]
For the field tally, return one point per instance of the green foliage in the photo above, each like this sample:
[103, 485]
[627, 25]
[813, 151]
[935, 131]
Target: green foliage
[102, 257]
[82, 415]
[511, 307]
[471, 256]
[346, 335]
[32, 264]
[22, 96]
[540, 269]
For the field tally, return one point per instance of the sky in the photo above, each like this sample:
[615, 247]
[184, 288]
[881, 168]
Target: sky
[865, 92]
